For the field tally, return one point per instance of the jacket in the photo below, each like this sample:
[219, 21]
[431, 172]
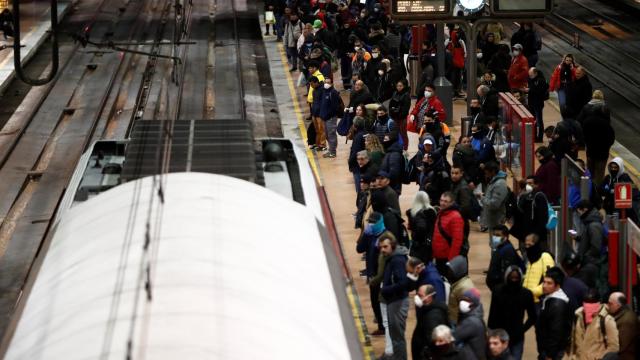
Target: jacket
[427, 318]
[502, 258]
[599, 136]
[395, 283]
[462, 196]
[471, 333]
[400, 104]
[465, 157]
[538, 90]
[535, 272]
[589, 343]
[556, 83]
[452, 223]
[579, 93]
[360, 97]
[292, 33]
[357, 145]
[316, 100]
[423, 105]
[421, 227]
[330, 103]
[576, 290]
[368, 244]
[494, 200]
[628, 331]
[609, 184]
[548, 175]
[461, 282]
[430, 276]
[311, 93]
[509, 303]
[393, 163]
[534, 216]
[554, 325]
[518, 72]
[590, 237]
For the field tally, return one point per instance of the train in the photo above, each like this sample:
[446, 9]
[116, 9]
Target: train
[188, 265]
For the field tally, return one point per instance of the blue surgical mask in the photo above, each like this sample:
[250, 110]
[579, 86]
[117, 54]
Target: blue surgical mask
[495, 240]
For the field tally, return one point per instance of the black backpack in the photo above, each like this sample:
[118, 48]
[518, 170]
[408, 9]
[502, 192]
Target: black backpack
[511, 204]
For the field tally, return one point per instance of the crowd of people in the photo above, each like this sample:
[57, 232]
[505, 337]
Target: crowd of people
[575, 313]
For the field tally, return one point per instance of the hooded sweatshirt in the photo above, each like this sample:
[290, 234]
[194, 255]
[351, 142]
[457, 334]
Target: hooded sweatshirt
[609, 184]
[471, 333]
[461, 282]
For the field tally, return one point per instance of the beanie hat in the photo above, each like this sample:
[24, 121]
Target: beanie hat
[473, 295]
[317, 24]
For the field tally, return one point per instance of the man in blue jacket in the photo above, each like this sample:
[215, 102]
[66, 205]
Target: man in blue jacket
[329, 114]
[368, 244]
[394, 291]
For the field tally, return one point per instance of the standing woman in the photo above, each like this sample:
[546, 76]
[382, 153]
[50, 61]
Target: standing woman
[563, 75]
[422, 218]
[399, 109]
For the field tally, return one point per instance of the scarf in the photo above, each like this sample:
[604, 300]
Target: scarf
[590, 311]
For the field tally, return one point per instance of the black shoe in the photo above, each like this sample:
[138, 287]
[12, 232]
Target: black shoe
[266, 33]
[363, 273]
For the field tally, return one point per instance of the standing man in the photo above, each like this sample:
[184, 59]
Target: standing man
[315, 100]
[538, 93]
[448, 233]
[579, 91]
[394, 291]
[495, 198]
[627, 324]
[501, 259]
[429, 314]
[331, 102]
[554, 323]
[292, 32]
[499, 345]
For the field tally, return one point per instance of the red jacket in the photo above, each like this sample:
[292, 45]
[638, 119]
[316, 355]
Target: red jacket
[453, 225]
[554, 83]
[519, 73]
[434, 103]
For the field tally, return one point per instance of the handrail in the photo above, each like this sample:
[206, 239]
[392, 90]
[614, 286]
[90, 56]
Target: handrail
[54, 46]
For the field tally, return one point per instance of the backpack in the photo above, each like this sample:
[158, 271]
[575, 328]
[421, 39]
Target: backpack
[552, 217]
[511, 204]
[345, 124]
[340, 110]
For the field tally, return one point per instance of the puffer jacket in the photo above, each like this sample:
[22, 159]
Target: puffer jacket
[535, 272]
[461, 282]
[453, 224]
[554, 325]
[588, 343]
[494, 208]
[590, 237]
[471, 333]
[518, 73]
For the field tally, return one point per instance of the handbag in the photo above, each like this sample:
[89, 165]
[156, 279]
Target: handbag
[411, 125]
[269, 17]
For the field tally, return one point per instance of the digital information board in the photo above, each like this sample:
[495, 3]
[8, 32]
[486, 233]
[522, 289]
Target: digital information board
[423, 7]
[522, 6]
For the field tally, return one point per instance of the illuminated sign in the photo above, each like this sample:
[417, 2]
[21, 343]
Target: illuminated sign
[409, 7]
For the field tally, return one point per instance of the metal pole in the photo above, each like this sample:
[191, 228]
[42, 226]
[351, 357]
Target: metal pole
[563, 212]
[465, 124]
[443, 85]
[527, 147]
[624, 253]
[585, 189]
[472, 62]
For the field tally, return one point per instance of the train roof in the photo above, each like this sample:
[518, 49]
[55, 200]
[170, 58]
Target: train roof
[236, 272]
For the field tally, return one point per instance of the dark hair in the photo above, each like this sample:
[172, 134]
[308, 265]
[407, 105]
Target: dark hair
[499, 333]
[448, 194]
[550, 128]
[457, 166]
[544, 152]
[491, 166]
[382, 108]
[555, 274]
[584, 204]
[591, 296]
[314, 79]
[534, 178]
[503, 229]
[387, 235]
[430, 85]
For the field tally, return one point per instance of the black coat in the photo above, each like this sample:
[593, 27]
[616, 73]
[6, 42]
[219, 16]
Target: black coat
[421, 227]
[508, 307]
[490, 104]
[357, 145]
[360, 97]
[532, 217]
[427, 318]
[554, 327]
[503, 257]
[393, 163]
[579, 93]
[400, 104]
[599, 136]
[538, 90]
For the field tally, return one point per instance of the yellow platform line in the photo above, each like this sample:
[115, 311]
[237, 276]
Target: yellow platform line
[351, 293]
[298, 111]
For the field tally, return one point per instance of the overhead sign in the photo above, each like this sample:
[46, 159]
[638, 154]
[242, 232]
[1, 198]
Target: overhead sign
[407, 9]
[622, 196]
[522, 6]
[413, 11]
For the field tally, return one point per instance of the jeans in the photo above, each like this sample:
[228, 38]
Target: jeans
[517, 350]
[356, 179]
[562, 98]
[292, 56]
[397, 313]
[388, 346]
[330, 132]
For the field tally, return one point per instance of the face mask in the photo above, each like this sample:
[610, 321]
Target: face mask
[383, 118]
[495, 240]
[375, 55]
[477, 135]
[516, 52]
[417, 301]
[380, 72]
[428, 94]
[464, 306]
[528, 188]
[412, 277]
[327, 86]
[614, 173]
[357, 48]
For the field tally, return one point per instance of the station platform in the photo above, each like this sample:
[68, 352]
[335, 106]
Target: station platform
[35, 23]
[338, 183]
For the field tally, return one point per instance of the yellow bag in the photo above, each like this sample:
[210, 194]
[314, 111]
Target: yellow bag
[269, 17]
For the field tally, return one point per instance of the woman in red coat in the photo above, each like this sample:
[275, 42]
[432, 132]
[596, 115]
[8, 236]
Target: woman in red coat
[564, 74]
[519, 71]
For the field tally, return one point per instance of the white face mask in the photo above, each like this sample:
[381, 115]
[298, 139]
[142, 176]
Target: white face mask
[495, 240]
[528, 188]
[357, 48]
[381, 72]
[327, 86]
[516, 52]
[375, 55]
[412, 277]
[428, 94]
[464, 306]
[417, 301]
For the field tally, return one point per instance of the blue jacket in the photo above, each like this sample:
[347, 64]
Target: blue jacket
[330, 102]
[395, 283]
[431, 276]
[368, 244]
[317, 101]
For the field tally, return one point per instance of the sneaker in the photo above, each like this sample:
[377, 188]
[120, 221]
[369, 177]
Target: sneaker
[363, 273]
[266, 33]
[379, 332]
[329, 155]
[312, 147]
[321, 148]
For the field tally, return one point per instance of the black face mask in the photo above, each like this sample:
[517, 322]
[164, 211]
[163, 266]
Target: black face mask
[430, 126]
[477, 135]
[614, 173]
[383, 118]
[534, 252]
